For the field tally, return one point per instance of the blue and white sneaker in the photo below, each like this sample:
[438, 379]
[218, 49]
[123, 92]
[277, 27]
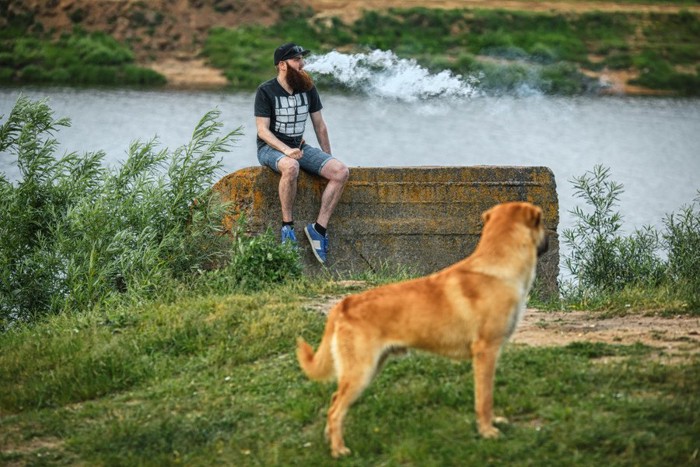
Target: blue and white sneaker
[288, 235]
[319, 243]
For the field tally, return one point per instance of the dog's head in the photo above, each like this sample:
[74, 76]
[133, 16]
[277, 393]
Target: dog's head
[519, 215]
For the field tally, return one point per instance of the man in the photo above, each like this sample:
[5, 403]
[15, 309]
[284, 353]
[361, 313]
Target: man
[282, 106]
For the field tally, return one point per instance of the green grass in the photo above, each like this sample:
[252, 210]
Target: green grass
[213, 380]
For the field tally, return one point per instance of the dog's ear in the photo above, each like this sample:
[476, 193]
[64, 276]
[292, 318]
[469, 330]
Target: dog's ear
[535, 217]
[485, 216]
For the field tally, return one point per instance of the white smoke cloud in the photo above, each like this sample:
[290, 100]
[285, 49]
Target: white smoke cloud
[383, 74]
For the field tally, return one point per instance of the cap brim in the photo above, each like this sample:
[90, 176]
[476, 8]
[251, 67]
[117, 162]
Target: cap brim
[303, 54]
[291, 56]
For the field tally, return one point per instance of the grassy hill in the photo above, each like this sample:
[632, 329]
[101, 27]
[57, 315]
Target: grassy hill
[213, 380]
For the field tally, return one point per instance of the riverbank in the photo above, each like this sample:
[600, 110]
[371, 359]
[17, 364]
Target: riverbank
[352, 12]
[184, 71]
[174, 38]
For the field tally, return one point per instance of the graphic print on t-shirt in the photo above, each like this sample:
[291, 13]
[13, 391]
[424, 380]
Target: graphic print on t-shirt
[291, 113]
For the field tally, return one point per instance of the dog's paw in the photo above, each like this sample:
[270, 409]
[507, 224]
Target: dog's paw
[489, 432]
[501, 420]
[340, 452]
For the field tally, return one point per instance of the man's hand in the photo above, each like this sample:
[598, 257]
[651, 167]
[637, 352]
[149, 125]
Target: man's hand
[294, 153]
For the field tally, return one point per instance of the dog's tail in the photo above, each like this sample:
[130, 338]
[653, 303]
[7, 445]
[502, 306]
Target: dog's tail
[318, 366]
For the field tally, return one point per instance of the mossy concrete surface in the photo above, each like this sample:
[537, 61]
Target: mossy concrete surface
[425, 218]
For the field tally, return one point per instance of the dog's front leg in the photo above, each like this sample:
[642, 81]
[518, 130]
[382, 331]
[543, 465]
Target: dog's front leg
[484, 358]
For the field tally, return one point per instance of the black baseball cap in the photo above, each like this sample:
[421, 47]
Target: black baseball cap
[289, 50]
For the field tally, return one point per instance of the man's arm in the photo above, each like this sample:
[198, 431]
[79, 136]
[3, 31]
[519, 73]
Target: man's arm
[263, 126]
[321, 131]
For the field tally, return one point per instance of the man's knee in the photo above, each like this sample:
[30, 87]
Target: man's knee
[344, 173]
[337, 171]
[288, 167]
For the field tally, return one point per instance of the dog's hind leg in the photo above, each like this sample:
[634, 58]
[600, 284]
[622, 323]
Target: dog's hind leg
[356, 371]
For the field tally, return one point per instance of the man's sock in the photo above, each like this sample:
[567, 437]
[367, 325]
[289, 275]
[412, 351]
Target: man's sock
[319, 228]
[291, 224]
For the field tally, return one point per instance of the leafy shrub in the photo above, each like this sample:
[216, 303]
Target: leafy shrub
[73, 233]
[261, 260]
[602, 261]
[245, 54]
[543, 53]
[77, 58]
[564, 79]
[682, 240]
[618, 60]
[131, 74]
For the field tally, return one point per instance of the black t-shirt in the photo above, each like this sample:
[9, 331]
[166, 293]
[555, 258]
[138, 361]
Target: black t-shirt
[287, 112]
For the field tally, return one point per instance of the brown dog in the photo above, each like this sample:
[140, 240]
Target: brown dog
[466, 310]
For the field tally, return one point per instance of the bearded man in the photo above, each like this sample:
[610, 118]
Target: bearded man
[282, 106]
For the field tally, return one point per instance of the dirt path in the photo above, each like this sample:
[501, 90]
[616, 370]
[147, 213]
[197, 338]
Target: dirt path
[184, 71]
[675, 337]
[329, 8]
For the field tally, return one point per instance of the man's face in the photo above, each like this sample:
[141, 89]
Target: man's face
[296, 62]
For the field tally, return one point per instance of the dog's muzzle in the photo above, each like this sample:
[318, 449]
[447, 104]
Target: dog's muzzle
[543, 246]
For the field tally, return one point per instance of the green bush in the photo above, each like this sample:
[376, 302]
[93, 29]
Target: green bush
[682, 240]
[657, 73]
[618, 61]
[76, 58]
[564, 79]
[245, 54]
[259, 261]
[604, 262]
[74, 234]
[601, 259]
[132, 74]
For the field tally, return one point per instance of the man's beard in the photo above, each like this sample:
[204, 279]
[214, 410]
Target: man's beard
[299, 81]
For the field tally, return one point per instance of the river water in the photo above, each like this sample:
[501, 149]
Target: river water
[651, 145]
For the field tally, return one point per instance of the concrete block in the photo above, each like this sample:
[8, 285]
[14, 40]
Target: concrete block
[423, 217]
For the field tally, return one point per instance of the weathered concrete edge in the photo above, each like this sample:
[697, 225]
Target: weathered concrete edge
[382, 208]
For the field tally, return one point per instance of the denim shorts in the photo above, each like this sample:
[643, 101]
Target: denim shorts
[313, 160]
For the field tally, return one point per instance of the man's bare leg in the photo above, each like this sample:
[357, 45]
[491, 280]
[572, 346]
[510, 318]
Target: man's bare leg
[289, 170]
[337, 175]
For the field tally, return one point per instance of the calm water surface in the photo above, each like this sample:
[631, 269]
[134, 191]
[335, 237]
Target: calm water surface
[651, 145]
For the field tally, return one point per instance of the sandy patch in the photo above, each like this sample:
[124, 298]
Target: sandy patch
[189, 73]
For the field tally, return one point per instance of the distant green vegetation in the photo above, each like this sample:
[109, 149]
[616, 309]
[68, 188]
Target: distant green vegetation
[79, 58]
[506, 49]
